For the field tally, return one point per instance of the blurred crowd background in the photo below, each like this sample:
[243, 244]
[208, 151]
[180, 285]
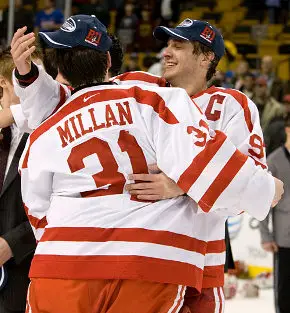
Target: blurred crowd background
[256, 33]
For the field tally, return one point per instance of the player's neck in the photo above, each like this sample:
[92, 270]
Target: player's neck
[192, 87]
[107, 77]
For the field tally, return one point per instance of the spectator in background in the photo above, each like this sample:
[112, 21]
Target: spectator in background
[274, 9]
[127, 27]
[241, 70]
[231, 52]
[144, 38]
[48, 19]
[148, 61]
[23, 16]
[229, 77]
[156, 68]
[248, 84]
[166, 12]
[275, 134]
[132, 63]
[99, 8]
[274, 84]
[277, 240]
[284, 11]
[269, 108]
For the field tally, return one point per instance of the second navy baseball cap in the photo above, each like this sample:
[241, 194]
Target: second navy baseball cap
[79, 30]
[194, 30]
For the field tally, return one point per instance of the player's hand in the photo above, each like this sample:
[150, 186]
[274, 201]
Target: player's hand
[279, 190]
[270, 246]
[21, 50]
[5, 251]
[152, 187]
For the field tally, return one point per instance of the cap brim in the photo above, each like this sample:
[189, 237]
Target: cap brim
[52, 39]
[164, 33]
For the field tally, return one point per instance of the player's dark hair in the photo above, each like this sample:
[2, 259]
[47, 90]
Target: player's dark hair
[199, 48]
[117, 55]
[81, 65]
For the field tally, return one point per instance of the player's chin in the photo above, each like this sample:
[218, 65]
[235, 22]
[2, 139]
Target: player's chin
[169, 73]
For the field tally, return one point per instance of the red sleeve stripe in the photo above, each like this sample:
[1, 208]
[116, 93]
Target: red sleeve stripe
[222, 181]
[241, 99]
[62, 97]
[192, 173]
[96, 234]
[34, 221]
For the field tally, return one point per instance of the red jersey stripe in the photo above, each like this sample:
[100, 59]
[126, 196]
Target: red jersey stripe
[213, 276]
[221, 182]
[34, 221]
[191, 174]
[116, 267]
[216, 246]
[94, 234]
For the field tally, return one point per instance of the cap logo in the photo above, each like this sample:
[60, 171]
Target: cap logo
[69, 25]
[208, 34]
[186, 23]
[93, 37]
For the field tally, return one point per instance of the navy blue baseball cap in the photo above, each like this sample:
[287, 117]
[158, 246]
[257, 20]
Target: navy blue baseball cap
[79, 30]
[194, 30]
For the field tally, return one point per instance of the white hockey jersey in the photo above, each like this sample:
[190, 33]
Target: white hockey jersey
[40, 99]
[233, 113]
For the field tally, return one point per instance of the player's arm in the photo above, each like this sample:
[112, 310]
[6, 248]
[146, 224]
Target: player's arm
[17, 116]
[36, 187]
[245, 132]
[14, 114]
[39, 94]
[205, 165]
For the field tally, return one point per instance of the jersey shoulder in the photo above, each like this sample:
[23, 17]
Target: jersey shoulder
[139, 77]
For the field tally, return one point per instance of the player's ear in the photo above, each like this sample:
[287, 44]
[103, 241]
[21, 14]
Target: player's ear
[206, 59]
[109, 60]
[3, 82]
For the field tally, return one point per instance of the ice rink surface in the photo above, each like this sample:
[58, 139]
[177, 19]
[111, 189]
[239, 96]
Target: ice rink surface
[263, 304]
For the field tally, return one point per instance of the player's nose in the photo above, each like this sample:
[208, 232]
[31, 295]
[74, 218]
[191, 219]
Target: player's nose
[167, 52]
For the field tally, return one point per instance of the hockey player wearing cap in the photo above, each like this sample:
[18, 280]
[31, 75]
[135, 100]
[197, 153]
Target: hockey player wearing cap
[193, 51]
[211, 299]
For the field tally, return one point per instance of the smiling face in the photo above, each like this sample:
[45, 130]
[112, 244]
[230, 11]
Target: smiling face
[179, 62]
